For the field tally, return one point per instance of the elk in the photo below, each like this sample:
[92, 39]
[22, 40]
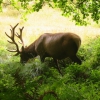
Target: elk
[58, 46]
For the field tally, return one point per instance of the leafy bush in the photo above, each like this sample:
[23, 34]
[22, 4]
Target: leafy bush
[42, 81]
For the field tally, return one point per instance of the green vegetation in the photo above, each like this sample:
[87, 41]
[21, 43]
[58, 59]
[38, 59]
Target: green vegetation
[36, 81]
[42, 81]
[80, 10]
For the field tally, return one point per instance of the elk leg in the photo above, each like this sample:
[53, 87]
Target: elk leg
[76, 59]
[56, 62]
[42, 58]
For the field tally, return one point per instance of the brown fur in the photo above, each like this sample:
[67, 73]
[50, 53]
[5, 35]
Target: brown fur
[58, 46]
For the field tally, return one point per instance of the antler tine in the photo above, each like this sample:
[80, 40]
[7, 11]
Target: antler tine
[20, 35]
[14, 26]
[12, 38]
[7, 35]
[12, 32]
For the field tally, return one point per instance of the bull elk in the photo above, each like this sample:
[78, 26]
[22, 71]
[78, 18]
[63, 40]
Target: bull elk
[58, 46]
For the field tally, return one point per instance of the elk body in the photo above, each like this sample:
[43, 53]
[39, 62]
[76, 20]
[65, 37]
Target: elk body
[58, 46]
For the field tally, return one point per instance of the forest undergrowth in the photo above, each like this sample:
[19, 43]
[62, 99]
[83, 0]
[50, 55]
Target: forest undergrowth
[42, 81]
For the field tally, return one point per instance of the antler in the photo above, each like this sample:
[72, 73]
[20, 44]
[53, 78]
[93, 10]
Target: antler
[13, 40]
[20, 36]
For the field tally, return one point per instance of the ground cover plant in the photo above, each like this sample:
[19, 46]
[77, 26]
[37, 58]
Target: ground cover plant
[36, 81]
[42, 81]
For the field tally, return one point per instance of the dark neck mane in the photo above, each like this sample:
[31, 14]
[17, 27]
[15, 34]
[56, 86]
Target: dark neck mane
[30, 48]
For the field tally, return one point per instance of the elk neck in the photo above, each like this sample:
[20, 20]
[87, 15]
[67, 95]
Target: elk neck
[31, 49]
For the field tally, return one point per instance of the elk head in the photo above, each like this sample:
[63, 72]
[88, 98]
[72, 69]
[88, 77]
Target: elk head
[24, 55]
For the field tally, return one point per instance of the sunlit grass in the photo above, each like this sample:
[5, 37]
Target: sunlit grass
[46, 20]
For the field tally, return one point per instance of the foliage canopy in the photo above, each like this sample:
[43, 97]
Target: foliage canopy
[80, 10]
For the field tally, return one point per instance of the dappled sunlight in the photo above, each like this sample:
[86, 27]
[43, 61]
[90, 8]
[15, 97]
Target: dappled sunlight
[47, 20]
